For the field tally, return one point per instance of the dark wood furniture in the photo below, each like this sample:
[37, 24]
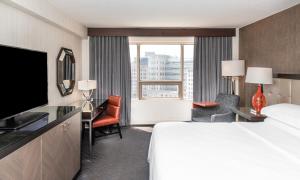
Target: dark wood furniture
[204, 32]
[288, 76]
[244, 114]
[90, 111]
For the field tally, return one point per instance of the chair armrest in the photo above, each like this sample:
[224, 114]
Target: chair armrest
[200, 112]
[225, 117]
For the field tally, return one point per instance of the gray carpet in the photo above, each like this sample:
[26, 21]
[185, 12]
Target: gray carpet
[117, 159]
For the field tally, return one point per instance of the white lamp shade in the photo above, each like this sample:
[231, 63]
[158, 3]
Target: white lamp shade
[86, 85]
[259, 75]
[233, 68]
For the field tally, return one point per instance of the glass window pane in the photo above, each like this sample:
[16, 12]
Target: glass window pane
[133, 60]
[188, 72]
[160, 91]
[160, 62]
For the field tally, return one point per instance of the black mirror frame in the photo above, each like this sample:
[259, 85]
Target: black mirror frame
[60, 71]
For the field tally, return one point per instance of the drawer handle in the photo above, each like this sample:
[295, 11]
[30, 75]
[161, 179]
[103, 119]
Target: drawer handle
[64, 126]
[68, 125]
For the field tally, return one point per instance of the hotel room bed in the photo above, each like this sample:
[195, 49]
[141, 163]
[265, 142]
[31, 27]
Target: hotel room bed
[233, 151]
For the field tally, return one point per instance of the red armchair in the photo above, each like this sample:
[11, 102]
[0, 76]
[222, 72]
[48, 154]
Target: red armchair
[111, 116]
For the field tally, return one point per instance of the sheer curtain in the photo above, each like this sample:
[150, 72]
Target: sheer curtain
[110, 66]
[208, 54]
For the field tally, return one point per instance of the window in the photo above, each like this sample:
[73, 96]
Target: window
[162, 71]
[160, 91]
[133, 60]
[160, 62]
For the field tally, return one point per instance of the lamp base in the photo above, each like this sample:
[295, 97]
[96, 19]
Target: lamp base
[88, 97]
[259, 100]
[235, 85]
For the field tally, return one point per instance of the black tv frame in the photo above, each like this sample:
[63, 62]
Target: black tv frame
[26, 111]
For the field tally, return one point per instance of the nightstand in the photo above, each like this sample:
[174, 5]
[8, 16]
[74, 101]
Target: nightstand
[244, 115]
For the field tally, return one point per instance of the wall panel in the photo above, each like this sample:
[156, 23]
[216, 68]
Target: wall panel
[272, 42]
[26, 31]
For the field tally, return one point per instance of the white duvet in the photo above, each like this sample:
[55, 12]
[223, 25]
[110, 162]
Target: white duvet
[223, 151]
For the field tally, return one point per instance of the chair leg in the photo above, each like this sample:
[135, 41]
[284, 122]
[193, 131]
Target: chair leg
[119, 129]
[93, 136]
[82, 130]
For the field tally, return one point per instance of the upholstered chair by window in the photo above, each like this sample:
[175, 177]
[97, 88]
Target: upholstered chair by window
[220, 113]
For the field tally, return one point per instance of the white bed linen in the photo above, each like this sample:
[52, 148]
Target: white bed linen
[288, 114]
[215, 151]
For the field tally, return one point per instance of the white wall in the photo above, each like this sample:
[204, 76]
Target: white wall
[22, 29]
[235, 45]
[48, 13]
[85, 59]
[152, 111]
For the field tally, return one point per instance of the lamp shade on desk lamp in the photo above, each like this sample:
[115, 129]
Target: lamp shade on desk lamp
[87, 86]
[260, 76]
[233, 69]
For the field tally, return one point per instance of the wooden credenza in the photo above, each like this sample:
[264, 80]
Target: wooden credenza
[53, 155]
[24, 163]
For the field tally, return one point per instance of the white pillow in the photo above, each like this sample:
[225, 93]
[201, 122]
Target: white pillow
[286, 113]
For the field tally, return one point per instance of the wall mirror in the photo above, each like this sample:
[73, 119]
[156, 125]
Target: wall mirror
[65, 71]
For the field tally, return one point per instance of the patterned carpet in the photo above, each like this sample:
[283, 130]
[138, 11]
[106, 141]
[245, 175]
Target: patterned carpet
[117, 159]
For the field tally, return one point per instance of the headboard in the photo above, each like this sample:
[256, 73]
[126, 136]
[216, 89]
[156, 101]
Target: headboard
[283, 91]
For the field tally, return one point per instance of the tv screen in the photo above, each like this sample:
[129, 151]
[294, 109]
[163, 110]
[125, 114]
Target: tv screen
[23, 75]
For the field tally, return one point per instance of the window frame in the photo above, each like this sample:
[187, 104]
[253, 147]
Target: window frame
[179, 82]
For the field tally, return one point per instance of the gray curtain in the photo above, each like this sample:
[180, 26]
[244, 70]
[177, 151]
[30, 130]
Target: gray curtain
[110, 66]
[208, 54]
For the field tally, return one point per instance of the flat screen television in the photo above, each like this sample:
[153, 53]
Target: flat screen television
[24, 83]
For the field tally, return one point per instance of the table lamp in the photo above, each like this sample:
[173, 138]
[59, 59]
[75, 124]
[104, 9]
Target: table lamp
[87, 87]
[260, 76]
[233, 69]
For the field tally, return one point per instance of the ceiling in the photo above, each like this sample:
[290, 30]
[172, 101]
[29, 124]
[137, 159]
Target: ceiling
[170, 13]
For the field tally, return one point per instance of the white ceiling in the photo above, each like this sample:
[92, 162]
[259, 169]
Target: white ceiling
[170, 13]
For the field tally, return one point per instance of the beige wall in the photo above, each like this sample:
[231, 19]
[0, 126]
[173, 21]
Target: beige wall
[272, 42]
[47, 12]
[85, 66]
[21, 29]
